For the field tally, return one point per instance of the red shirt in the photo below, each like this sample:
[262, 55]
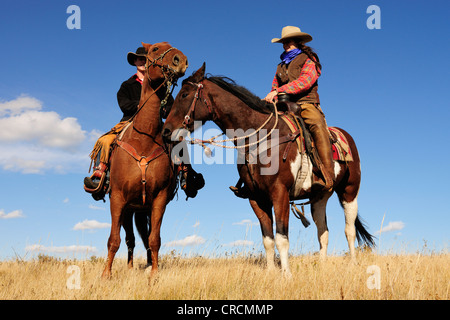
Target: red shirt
[308, 76]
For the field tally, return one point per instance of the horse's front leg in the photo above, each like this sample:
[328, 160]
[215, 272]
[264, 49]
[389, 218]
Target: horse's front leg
[263, 211]
[154, 239]
[280, 199]
[117, 206]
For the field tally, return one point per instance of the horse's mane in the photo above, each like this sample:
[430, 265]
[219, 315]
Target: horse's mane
[240, 92]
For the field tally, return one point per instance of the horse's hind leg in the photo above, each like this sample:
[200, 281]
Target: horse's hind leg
[350, 206]
[141, 221]
[114, 237]
[347, 193]
[129, 236]
[319, 214]
[263, 212]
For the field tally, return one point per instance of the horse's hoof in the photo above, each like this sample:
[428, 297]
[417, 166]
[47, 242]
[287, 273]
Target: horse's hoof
[106, 275]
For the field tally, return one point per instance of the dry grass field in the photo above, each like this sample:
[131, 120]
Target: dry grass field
[415, 276]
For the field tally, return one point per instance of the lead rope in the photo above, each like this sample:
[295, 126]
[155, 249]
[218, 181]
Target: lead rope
[217, 143]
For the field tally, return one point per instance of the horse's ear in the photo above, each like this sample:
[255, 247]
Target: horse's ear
[200, 73]
[146, 46]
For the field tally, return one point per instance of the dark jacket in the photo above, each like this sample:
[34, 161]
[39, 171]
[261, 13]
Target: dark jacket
[128, 97]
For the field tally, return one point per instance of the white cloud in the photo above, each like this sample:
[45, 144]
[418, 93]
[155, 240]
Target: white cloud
[23, 120]
[63, 249]
[91, 206]
[188, 241]
[245, 222]
[240, 243]
[19, 105]
[91, 224]
[393, 226]
[12, 215]
[33, 141]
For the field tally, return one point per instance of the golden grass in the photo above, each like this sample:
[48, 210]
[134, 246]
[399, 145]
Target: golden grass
[414, 276]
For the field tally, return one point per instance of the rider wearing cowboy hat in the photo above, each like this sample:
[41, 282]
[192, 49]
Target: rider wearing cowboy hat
[297, 76]
[128, 98]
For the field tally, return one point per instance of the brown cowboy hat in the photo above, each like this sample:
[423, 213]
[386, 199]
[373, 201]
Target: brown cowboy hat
[290, 32]
[131, 56]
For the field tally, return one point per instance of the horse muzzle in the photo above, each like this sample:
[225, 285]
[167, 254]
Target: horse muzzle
[176, 136]
[167, 135]
[180, 64]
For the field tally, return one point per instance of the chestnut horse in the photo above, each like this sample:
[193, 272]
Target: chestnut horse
[142, 175]
[233, 107]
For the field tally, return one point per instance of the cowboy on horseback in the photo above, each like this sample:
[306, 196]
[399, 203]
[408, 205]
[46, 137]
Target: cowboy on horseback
[128, 98]
[296, 81]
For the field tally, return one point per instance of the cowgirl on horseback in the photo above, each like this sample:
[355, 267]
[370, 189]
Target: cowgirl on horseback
[297, 76]
[296, 79]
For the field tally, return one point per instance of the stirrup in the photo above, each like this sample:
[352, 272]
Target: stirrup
[91, 188]
[319, 184]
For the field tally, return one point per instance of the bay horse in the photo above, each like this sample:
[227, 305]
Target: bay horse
[233, 107]
[142, 176]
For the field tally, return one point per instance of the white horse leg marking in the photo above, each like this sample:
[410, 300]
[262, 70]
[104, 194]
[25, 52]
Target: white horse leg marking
[318, 210]
[351, 212]
[282, 243]
[269, 245]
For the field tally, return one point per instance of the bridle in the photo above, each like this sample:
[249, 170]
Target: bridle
[198, 96]
[144, 161]
[212, 116]
[154, 62]
[170, 80]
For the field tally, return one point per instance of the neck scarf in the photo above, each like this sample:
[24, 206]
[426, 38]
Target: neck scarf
[287, 57]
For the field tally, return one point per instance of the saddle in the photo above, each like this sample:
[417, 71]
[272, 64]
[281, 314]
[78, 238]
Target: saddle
[300, 134]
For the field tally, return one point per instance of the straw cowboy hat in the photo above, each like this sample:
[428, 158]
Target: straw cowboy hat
[290, 32]
[131, 56]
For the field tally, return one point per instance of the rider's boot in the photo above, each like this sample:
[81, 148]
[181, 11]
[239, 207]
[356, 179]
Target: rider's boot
[240, 190]
[93, 182]
[190, 180]
[326, 165]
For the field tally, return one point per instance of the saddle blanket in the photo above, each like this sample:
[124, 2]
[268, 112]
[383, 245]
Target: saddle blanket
[340, 147]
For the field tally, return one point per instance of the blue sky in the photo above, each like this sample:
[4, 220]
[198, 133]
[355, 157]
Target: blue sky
[388, 87]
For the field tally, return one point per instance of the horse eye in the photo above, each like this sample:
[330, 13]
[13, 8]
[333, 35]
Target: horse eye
[155, 49]
[184, 95]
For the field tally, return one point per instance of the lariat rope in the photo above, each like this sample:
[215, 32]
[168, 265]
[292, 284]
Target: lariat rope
[217, 143]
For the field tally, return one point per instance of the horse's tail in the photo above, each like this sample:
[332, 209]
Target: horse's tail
[362, 235]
